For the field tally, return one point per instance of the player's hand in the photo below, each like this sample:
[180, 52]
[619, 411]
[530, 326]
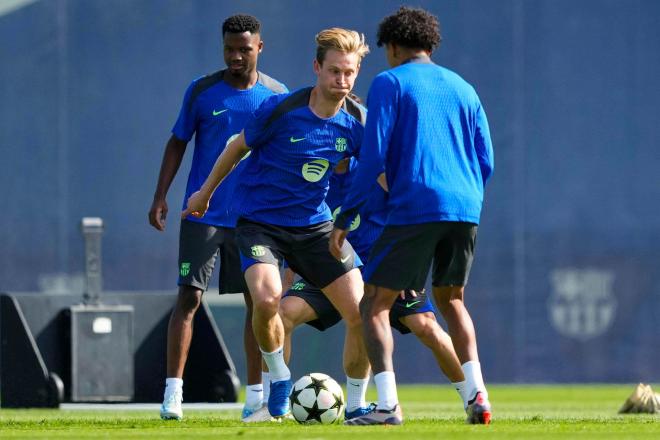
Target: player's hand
[158, 214]
[198, 204]
[403, 294]
[337, 238]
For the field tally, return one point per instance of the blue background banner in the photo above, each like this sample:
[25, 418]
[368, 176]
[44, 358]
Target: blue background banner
[565, 286]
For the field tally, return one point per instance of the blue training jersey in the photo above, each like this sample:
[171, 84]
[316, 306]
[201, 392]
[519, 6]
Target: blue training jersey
[214, 111]
[293, 153]
[428, 131]
[369, 223]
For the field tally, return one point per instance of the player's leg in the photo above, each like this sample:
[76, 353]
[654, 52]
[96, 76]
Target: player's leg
[179, 337]
[255, 411]
[453, 260]
[399, 260]
[232, 281]
[254, 389]
[252, 353]
[198, 249]
[180, 329]
[342, 284]
[449, 300]
[345, 294]
[429, 332]
[265, 286]
[266, 289]
[303, 303]
[294, 311]
[375, 309]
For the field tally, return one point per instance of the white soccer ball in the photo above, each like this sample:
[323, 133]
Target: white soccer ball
[316, 398]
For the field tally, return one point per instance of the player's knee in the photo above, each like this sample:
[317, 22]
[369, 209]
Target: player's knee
[353, 319]
[188, 300]
[448, 298]
[366, 307]
[266, 305]
[425, 329]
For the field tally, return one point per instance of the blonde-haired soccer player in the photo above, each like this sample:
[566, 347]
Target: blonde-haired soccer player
[295, 141]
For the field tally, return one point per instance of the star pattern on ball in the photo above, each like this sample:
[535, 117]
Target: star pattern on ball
[314, 413]
[339, 402]
[294, 396]
[317, 385]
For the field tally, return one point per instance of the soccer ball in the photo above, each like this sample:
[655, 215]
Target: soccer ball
[316, 398]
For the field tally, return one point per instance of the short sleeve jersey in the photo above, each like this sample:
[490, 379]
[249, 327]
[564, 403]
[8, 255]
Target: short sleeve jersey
[293, 152]
[214, 112]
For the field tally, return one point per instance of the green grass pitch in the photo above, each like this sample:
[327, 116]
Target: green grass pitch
[523, 412]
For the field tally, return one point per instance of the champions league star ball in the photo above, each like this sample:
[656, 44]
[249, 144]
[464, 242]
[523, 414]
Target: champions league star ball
[316, 398]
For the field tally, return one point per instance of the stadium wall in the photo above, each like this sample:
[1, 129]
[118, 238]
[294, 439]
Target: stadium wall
[565, 287]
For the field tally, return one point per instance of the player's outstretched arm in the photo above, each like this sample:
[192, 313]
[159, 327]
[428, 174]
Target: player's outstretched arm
[198, 202]
[172, 157]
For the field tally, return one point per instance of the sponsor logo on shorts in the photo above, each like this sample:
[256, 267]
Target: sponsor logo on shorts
[315, 170]
[184, 269]
[294, 140]
[345, 259]
[258, 251]
[216, 113]
[298, 286]
[354, 224]
[340, 144]
[409, 305]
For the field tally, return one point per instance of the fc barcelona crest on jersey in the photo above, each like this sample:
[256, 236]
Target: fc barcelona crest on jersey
[340, 144]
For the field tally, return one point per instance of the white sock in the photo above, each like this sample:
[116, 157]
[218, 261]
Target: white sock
[356, 390]
[254, 395]
[172, 384]
[276, 365]
[265, 381]
[386, 386]
[460, 387]
[474, 380]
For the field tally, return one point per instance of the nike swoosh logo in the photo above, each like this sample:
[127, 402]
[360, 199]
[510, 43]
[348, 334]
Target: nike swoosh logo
[409, 305]
[345, 259]
[217, 113]
[294, 140]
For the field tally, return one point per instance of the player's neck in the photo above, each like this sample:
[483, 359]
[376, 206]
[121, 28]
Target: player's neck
[322, 106]
[241, 82]
[413, 56]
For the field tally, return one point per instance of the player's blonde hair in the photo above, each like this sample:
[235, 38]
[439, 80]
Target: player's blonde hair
[343, 40]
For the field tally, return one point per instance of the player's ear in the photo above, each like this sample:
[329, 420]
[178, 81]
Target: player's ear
[317, 66]
[261, 45]
[395, 50]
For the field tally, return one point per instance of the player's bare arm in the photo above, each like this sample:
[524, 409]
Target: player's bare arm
[172, 157]
[198, 202]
